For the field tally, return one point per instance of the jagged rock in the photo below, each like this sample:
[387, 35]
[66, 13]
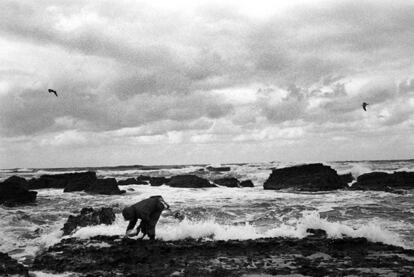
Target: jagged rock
[13, 191]
[88, 216]
[189, 181]
[246, 184]
[218, 169]
[71, 181]
[158, 181]
[104, 186]
[10, 267]
[80, 181]
[391, 182]
[230, 182]
[75, 186]
[346, 178]
[317, 232]
[129, 181]
[308, 177]
[143, 178]
[18, 180]
[314, 255]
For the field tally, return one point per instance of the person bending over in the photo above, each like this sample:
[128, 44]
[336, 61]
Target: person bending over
[149, 211]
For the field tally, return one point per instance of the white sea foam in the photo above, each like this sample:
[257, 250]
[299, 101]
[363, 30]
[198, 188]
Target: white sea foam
[48, 274]
[370, 230]
[359, 168]
[210, 229]
[220, 213]
[355, 168]
[53, 172]
[99, 230]
[136, 172]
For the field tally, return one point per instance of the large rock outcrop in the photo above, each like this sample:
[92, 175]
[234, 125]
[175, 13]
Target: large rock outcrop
[218, 168]
[230, 182]
[314, 255]
[308, 177]
[346, 178]
[189, 181]
[71, 181]
[87, 217]
[13, 191]
[158, 181]
[385, 181]
[18, 181]
[143, 178]
[140, 180]
[246, 184]
[128, 181]
[107, 186]
[10, 267]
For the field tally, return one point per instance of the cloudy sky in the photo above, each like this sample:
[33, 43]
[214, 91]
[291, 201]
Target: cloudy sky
[171, 82]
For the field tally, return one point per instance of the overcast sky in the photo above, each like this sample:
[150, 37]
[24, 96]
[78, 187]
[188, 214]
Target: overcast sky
[171, 82]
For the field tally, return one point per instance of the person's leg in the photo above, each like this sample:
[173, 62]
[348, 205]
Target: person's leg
[139, 228]
[144, 228]
[152, 223]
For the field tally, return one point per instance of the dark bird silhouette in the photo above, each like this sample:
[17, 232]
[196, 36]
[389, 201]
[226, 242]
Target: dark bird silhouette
[53, 91]
[364, 106]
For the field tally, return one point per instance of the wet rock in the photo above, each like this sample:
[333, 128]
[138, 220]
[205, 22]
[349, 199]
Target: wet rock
[230, 182]
[143, 178]
[218, 168]
[129, 181]
[88, 216]
[10, 267]
[69, 181]
[107, 186]
[79, 182]
[346, 178]
[310, 256]
[18, 180]
[246, 184]
[382, 181]
[308, 177]
[189, 181]
[13, 191]
[317, 232]
[158, 181]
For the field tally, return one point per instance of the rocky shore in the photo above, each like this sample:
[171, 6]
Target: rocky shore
[314, 255]
[382, 181]
[307, 177]
[10, 267]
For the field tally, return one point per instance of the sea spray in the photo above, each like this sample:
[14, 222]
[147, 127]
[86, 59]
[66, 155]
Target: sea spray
[210, 229]
[218, 213]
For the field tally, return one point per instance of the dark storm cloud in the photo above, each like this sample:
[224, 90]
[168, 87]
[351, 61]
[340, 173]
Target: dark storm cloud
[311, 44]
[340, 38]
[165, 64]
[31, 112]
[35, 23]
[373, 93]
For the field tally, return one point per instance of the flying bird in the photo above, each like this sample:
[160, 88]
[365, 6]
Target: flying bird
[52, 91]
[364, 106]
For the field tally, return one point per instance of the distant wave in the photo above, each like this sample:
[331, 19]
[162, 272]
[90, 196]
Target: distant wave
[359, 168]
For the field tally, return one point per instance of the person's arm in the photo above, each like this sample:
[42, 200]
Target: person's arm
[165, 204]
[132, 223]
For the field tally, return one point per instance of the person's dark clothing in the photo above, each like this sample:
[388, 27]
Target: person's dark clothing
[149, 211]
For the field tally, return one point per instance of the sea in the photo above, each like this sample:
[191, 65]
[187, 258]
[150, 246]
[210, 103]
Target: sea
[219, 213]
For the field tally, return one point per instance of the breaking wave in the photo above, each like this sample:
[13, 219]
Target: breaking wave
[294, 228]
